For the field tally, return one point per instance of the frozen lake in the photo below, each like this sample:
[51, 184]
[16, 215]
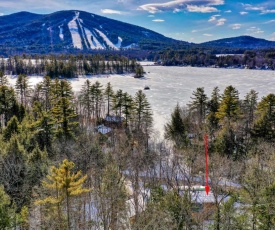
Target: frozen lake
[172, 85]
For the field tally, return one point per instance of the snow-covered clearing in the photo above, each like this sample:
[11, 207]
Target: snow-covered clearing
[172, 85]
[74, 32]
[118, 45]
[61, 35]
[106, 39]
[94, 44]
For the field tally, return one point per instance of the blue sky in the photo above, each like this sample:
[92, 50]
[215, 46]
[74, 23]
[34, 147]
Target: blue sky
[188, 20]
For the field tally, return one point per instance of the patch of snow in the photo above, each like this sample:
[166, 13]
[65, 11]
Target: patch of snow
[106, 39]
[43, 24]
[74, 32]
[133, 45]
[118, 45]
[94, 44]
[61, 35]
[101, 26]
[92, 15]
[103, 129]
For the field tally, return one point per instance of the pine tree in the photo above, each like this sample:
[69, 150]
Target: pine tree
[63, 110]
[142, 112]
[11, 129]
[7, 211]
[109, 92]
[229, 109]
[22, 88]
[86, 102]
[175, 130]
[64, 184]
[8, 105]
[265, 123]
[199, 104]
[3, 79]
[13, 173]
[127, 107]
[213, 106]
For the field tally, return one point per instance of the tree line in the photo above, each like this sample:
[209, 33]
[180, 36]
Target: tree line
[263, 59]
[68, 66]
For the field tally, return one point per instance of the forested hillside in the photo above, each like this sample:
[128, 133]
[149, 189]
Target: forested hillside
[91, 160]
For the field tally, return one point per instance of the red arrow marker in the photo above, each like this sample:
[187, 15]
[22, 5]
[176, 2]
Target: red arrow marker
[207, 188]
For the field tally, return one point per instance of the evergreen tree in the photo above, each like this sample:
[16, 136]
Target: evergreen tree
[142, 113]
[63, 110]
[199, 104]
[22, 88]
[8, 105]
[13, 173]
[109, 92]
[213, 106]
[175, 130]
[265, 124]
[86, 102]
[127, 107]
[64, 185]
[7, 211]
[229, 109]
[97, 94]
[46, 92]
[3, 79]
[11, 129]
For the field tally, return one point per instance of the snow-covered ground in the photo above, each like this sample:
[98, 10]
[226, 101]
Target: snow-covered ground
[172, 85]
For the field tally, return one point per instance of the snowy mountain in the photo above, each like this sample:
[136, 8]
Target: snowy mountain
[75, 30]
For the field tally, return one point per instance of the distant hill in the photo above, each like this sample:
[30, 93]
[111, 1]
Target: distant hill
[243, 42]
[75, 30]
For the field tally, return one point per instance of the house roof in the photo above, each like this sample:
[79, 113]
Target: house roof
[103, 129]
[114, 119]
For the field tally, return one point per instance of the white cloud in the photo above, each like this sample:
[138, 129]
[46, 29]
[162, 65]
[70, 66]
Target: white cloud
[158, 20]
[109, 11]
[151, 16]
[194, 31]
[208, 35]
[235, 26]
[218, 22]
[176, 10]
[202, 6]
[221, 22]
[228, 11]
[243, 13]
[201, 9]
[268, 12]
[254, 30]
[1, 14]
[270, 21]
[258, 8]
[250, 7]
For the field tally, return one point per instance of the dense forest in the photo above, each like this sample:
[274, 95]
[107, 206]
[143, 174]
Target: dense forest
[91, 160]
[231, 58]
[69, 66]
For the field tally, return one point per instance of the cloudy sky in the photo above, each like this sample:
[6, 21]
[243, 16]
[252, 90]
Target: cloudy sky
[188, 20]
